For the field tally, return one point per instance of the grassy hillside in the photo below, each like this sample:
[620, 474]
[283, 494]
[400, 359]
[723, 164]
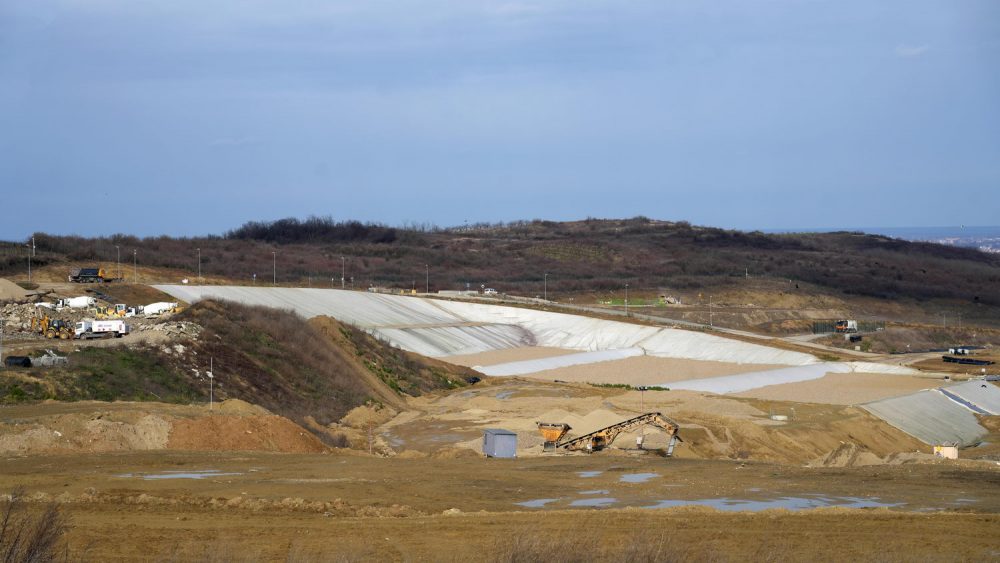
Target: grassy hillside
[320, 369]
[582, 257]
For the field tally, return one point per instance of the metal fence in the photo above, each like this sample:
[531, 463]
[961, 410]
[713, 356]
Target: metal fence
[822, 327]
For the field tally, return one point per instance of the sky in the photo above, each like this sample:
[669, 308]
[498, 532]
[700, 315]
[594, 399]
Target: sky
[191, 117]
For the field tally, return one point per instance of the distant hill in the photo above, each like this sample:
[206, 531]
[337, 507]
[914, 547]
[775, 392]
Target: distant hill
[319, 369]
[580, 257]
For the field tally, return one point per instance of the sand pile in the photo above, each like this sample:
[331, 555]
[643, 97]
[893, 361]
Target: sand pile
[85, 432]
[848, 455]
[365, 415]
[238, 407]
[10, 291]
[594, 420]
[242, 433]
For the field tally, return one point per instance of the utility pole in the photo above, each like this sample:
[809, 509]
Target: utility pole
[545, 286]
[211, 382]
[427, 280]
[626, 300]
[3, 324]
[343, 272]
[29, 267]
[199, 265]
[710, 323]
[274, 268]
[118, 261]
[32, 245]
[135, 266]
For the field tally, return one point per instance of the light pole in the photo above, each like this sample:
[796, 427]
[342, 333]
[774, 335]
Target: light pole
[626, 300]
[545, 286]
[274, 268]
[710, 311]
[427, 282]
[118, 261]
[199, 264]
[135, 266]
[211, 382]
[343, 272]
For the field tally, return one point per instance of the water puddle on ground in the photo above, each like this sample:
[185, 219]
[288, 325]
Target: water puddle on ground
[788, 503]
[536, 503]
[588, 474]
[637, 477]
[199, 474]
[594, 502]
[595, 492]
[504, 395]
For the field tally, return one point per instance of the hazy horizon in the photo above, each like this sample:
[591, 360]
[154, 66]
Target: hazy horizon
[190, 118]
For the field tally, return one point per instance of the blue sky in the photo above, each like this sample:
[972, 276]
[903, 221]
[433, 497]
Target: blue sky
[192, 117]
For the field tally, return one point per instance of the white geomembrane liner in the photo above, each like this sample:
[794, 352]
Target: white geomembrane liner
[747, 381]
[542, 364]
[978, 395]
[931, 417]
[442, 328]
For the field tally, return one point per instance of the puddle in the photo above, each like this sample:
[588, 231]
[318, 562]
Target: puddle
[601, 501]
[595, 492]
[203, 474]
[504, 395]
[536, 503]
[637, 477]
[588, 474]
[788, 503]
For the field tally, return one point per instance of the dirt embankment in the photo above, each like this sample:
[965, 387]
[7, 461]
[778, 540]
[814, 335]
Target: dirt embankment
[109, 427]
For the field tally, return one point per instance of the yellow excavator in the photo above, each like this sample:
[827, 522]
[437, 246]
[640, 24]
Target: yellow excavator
[600, 439]
[52, 328]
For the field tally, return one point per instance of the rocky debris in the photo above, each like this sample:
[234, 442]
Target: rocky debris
[17, 319]
[178, 329]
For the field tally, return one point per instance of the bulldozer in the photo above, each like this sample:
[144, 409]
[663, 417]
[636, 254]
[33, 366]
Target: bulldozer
[52, 328]
[116, 311]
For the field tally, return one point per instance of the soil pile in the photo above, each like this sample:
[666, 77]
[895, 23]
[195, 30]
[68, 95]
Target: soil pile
[848, 455]
[10, 291]
[57, 428]
[243, 433]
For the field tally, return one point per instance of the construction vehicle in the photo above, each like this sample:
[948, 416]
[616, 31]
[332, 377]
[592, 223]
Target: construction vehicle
[158, 308]
[52, 328]
[116, 311]
[81, 302]
[552, 432]
[86, 330]
[846, 326]
[600, 439]
[88, 275]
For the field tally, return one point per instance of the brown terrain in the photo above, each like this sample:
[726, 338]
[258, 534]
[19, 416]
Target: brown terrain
[356, 451]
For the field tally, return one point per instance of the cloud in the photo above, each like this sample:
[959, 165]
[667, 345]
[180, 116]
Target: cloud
[908, 51]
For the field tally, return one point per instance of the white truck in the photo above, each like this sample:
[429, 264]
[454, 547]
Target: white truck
[154, 309]
[81, 302]
[87, 329]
